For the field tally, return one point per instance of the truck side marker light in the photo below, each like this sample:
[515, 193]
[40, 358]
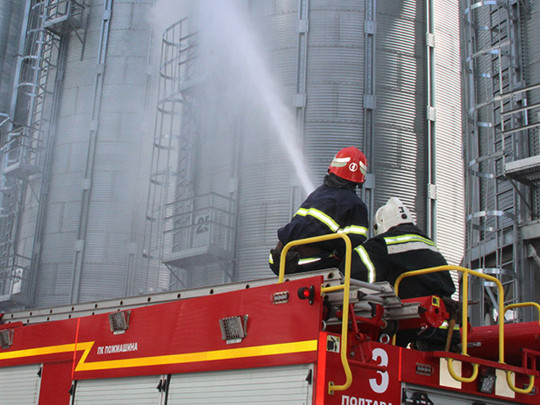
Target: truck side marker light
[119, 321]
[307, 293]
[233, 328]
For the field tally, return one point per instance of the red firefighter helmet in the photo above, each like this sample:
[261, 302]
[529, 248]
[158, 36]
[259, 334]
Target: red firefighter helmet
[349, 164]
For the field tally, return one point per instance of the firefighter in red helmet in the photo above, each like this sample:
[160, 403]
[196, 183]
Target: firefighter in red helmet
[349, 164]
[334, 207]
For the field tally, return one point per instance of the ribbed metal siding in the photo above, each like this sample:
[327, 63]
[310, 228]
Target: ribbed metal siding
[11, 14]
[268, 191]
[119, 180]
[449, 148]
[20, 385]
[533, 50]
[141, 390]
[266, 194]
[335, 82]
[236, 140]
[400, 124]
[276, 385]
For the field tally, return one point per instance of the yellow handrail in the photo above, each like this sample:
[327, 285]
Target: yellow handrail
[465, 289]
[346, 292]
[464, 330]
[516, 389]
[456, 377]
[464, 333]
[508, 372]
[524, 304]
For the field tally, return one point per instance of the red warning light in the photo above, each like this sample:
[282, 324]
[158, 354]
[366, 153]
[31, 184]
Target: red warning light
[307, 293]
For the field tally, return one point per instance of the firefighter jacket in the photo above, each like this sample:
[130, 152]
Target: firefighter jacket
[401, 249]
[334, 207]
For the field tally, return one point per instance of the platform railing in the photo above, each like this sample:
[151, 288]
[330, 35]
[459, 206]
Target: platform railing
[332, 387]
[465, 300]
[509, 381]
[346, 286]
[464, 330]
[524, 304]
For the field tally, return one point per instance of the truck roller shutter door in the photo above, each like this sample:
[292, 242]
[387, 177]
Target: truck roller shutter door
[20, 385]
[118, 391]
[269, 385]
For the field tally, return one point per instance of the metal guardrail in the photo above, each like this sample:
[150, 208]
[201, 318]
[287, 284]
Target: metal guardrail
[465, 300]
[524, 304]
[464, 331]
[332, 387]
[509, 373]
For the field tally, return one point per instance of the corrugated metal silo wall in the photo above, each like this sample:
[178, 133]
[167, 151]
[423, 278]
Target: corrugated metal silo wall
[533, 49]
[450, 215]
[238, 150]
[399, 160]
[335, 81]
[119, 171]
[11, 15]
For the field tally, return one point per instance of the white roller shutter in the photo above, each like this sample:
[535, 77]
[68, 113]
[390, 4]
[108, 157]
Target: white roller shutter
[117, 391]
[19, 385]
[270, 385]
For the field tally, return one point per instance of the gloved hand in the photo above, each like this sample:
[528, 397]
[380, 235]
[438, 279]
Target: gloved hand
[291, 260]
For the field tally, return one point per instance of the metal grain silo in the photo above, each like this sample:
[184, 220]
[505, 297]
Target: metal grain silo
[382, 76]
[98, 178]
[11, 19]
[76, 157]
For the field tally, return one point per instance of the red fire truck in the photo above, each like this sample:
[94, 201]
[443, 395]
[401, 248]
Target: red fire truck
[313, 338]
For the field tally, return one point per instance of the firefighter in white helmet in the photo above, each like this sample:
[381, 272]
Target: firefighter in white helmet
[333, 207]
[400, 246]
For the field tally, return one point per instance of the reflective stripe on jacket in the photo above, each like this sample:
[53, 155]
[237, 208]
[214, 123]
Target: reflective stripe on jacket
[328, 210]
[401, 249]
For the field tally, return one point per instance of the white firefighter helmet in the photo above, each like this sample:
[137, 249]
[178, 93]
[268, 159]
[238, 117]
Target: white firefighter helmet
[393, 213]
